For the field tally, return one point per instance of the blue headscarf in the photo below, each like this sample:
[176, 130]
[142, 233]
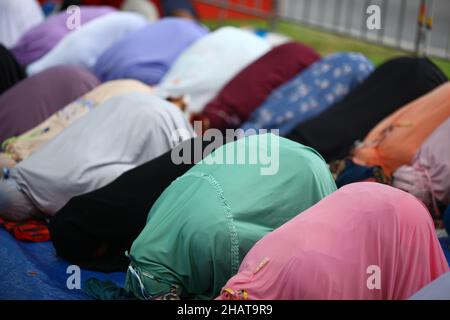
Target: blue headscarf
[313, 91]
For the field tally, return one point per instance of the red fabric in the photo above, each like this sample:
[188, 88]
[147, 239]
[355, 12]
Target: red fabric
[206, 11]
[158, 4]
[113, 3]
[213, 12]
[248, 90]
[31, 230]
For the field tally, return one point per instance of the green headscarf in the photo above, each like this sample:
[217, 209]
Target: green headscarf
[206, 221]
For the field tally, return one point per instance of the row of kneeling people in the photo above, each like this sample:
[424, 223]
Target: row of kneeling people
[53, 19]
[386, 124]
[220, 228]
[188, 227]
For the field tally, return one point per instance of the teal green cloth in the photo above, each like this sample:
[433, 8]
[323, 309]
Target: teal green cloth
[206, 221]
[105, 290]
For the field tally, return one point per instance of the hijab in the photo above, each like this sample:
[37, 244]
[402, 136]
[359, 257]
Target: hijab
[247, 90]
[366, 241]
[84, 46]
[395, 140]
[113, 216]
[16, 18]
[39, 40]
[391, 86]
[148, 53]
[21, 147]
[41, 95]
[14, 204]
[312, 92]
[428, 176]
[10, 71]
[143, 7]
[124, 132]
[204, 223]
[205, 67]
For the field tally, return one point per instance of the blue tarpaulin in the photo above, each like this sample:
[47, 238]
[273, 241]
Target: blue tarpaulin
[32, 271]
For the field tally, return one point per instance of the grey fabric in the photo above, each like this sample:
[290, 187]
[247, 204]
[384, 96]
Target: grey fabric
[14, 204]
[117, 136]
[439, 289]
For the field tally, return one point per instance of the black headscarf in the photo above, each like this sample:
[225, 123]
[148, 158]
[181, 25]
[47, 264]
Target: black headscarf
[95, 229]
[390, 87]
[10, 70]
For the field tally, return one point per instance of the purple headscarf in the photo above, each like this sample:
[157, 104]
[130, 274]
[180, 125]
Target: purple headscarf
[34, 99]
[147, 54]
[41, 39]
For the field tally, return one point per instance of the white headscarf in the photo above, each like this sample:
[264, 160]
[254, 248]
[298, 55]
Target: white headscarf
[124, 132]
[16, 18]
[84, 46]
[205, 67]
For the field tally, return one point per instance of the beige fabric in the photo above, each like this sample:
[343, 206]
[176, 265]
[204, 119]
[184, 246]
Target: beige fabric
[21, 147]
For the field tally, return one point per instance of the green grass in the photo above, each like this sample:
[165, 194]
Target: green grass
[326, 43]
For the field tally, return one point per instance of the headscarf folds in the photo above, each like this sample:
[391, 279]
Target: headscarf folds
[124, 132]
[312, 92]
[428, 176]
[84, 46]
[39, 40]
[39, 96]
[201, 227]
[21, 147]
[95, 229]
[395, 140]
[248, 90]
[147, 54]
[366, 241]
[391, 86]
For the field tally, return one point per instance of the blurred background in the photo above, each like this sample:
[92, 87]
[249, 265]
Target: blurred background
[416, 27]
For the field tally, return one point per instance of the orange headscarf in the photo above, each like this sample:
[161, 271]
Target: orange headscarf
[395, 140]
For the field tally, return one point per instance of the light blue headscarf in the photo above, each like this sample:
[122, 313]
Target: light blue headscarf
[83, 47]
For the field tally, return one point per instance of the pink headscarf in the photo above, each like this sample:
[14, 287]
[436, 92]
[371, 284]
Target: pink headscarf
[428, 178]
[333, 250]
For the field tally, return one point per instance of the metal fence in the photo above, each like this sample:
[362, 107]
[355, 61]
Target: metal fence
[421, 26]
